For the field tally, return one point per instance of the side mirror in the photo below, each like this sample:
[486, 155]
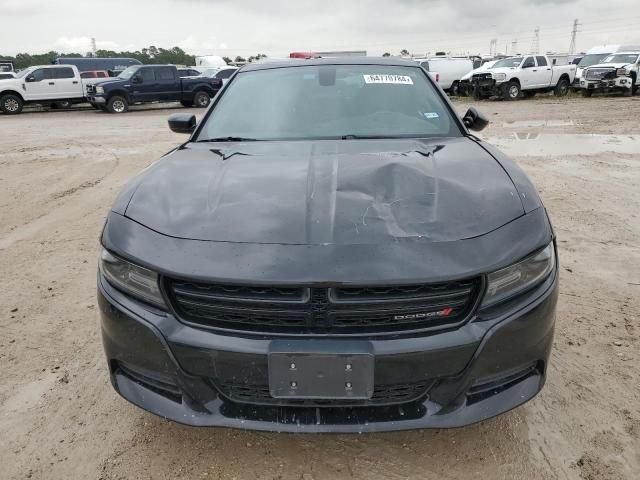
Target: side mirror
[182, 122]
[474, 120]
[30, 78]
[137, 78]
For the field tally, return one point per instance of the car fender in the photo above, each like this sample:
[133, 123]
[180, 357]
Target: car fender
[12, 92]
[119, 91]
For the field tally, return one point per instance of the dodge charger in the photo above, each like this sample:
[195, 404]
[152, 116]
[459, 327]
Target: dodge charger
[331, 250]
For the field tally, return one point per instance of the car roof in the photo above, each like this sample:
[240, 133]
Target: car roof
[382, 61]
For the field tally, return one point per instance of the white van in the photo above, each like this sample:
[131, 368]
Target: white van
[209, 61]
[451, 70]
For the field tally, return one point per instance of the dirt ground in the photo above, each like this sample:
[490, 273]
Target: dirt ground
[60, 418]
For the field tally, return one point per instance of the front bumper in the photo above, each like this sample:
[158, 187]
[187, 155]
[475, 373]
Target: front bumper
[613, 84]
[492, 364]
[485, 87]
[97, 100]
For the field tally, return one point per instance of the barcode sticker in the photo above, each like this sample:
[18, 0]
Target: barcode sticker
[392, 79]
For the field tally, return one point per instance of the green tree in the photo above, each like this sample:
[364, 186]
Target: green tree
[148, 55]
[254, 58]
[239, 59]
[386, 54]
[404, 52]
[227, 60]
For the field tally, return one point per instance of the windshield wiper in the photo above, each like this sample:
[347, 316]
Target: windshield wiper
[229, 139]
[370, 137]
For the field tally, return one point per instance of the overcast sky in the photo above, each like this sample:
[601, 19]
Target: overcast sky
[277, 27]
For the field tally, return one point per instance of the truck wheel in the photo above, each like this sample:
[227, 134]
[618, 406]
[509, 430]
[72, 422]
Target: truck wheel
[201, 99]
[117, 104]
[186, 104]
[11, 104]
[511, 91]
[454, 91]
[562, 88]
[628, 92]
[586, 93]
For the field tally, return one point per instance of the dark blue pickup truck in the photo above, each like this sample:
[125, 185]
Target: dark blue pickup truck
[151, 83]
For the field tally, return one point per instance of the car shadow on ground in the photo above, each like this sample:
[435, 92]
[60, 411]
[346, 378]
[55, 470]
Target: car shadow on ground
[494, 447]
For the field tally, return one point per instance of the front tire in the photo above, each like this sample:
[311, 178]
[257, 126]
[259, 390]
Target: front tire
[562, 88]
[587, 93]
[454, 91]
[117, 104]
[511, 91]
[628, 92]
[11, 104]
[201, 99]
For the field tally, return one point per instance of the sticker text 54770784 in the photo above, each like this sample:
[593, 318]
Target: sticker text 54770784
[393, 79]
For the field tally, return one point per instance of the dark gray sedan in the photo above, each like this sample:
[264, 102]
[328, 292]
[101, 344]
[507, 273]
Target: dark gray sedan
[332, 250]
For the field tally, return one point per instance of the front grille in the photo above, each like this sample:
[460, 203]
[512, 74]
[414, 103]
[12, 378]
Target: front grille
[481, 76]
[349, 310]
[382, 395]
[91, 88]
[599, 73]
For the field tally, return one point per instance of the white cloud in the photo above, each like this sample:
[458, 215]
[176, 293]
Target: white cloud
[82, 44]
[277, 27]
[189, 43]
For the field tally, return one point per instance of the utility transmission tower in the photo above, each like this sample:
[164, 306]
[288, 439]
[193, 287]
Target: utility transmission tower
[535, 43]
[93, 45]
[493, 46]
[572, 47]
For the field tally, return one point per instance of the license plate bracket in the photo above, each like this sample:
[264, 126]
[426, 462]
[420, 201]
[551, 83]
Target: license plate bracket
[322, 370]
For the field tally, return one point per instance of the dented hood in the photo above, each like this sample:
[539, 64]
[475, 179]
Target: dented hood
[326, 192]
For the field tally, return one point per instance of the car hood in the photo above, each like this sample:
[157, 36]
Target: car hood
[506, 70]
[98, 81]
[108, 81]
[608, 65]
[326, 192]
[473, 72]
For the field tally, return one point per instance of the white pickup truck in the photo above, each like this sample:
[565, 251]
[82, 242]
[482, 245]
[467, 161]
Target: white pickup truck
[49, 85]
[618, 72]
[512, 77]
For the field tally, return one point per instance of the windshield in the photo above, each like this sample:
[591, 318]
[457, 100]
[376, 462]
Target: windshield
[24, 72]
[209, 72]
[592, 59]
[128, 72]
[622, 58]
[513, 62]
[327, 102]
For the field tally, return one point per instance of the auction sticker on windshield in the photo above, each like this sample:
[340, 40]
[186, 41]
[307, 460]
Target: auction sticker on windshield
[394, 79]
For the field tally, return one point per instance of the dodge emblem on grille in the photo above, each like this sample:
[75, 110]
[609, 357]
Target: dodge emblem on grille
[410, 316]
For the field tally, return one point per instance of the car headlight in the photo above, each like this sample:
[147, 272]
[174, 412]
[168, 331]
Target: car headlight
[499, 77]
[137, 281]
[621, 72]
[510, 281]
[99, 89]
